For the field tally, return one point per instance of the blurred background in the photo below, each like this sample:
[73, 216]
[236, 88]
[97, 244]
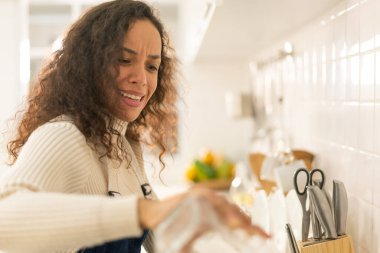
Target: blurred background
[257, 77]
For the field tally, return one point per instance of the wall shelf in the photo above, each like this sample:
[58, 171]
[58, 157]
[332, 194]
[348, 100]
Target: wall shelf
[43, 23]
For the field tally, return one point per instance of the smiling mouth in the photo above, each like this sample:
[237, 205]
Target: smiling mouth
[131, 96]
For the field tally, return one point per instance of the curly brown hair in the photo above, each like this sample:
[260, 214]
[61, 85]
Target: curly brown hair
[72, 83]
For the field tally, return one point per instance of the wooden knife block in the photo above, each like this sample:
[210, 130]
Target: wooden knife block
[341, 245]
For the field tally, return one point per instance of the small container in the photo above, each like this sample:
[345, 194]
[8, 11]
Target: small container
[242, 188]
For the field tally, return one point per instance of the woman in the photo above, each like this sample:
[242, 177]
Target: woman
[108, 89]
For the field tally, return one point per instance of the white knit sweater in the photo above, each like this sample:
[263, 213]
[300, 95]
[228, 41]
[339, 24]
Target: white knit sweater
[54, 198]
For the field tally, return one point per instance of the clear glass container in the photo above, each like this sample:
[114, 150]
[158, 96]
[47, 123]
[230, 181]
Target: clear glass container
[242, 188]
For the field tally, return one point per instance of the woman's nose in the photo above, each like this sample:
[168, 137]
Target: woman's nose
[138, 75]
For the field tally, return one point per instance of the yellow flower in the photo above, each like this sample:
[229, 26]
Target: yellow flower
[191, 173]
[208, 157]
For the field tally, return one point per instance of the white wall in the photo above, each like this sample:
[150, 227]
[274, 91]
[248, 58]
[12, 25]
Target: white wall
[332, 101]
[9, 70]
[203, 118]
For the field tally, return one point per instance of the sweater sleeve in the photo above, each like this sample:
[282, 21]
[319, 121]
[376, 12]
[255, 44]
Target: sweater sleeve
[41, 209]
[55, 158]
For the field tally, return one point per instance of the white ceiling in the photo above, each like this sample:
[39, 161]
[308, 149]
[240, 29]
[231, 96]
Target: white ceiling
[240, 28]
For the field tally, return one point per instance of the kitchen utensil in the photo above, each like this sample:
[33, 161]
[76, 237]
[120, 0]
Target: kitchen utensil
[340, 204]
[328, 197]
[322, 210]
[302, 194]
[317, 229]
[292, 241]
[315, 224]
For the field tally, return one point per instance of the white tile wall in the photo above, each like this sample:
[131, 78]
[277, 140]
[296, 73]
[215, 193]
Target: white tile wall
[377, 72]
[376, 133]
[376, 230]
[332, 106]
[377, 24]
[376, 193]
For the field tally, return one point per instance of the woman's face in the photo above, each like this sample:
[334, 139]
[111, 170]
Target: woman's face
[138, 65]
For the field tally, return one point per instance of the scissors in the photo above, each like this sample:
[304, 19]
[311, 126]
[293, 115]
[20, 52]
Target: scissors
[302, 196]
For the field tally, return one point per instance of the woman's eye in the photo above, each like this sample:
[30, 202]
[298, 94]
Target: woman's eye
[124, 61]
[152, 68]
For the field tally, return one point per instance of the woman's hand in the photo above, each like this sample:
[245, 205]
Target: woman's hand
[151, 213]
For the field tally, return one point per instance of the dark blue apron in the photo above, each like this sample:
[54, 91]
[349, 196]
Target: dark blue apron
[130, 245]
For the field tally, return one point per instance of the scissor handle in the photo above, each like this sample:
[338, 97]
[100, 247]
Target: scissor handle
[295, 182]
[322, 176]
